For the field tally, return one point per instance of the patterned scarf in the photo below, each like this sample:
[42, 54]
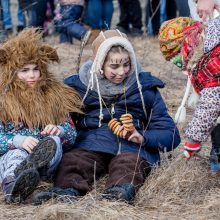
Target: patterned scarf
[171, 36]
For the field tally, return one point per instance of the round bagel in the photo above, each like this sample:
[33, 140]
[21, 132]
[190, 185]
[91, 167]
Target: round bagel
[126, 121]
[112, 122]
[117, 129]
[115, 125]
[126, 115]
[130, 129]
[128, 125]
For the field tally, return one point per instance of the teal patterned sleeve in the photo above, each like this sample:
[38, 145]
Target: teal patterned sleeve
[68, 131]
[6, 140]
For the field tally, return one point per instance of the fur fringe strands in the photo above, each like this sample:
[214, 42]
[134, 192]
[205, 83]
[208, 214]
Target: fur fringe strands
[49, 101]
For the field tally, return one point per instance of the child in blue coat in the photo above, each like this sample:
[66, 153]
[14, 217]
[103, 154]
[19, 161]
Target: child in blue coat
[125, 126]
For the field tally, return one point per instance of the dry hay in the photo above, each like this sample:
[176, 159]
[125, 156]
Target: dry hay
[183, 189]
[176, 190]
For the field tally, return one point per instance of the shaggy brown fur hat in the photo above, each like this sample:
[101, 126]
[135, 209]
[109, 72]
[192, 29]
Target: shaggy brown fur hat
[49, 101]
[26, 48]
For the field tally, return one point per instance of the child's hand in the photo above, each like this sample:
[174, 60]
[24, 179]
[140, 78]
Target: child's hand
[205, 8]
[190, 149]
[29, 144]
[136, 137]
[51, 130]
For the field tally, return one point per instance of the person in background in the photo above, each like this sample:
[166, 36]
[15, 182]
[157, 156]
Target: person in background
[182, 8]
[36, 11]
[49, 28]
[98, 16]
[130, 20]
[158, 11]
[7, 19]
[3, 34]
[68, 22]
[155, 15]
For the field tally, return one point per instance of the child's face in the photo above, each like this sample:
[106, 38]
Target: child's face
[117, 67]
[29, 73]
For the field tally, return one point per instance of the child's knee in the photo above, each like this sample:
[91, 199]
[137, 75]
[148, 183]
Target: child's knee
[16, 154]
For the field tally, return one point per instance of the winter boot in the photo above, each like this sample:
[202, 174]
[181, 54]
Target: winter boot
[215, 160]
[18, 189]
[215, 151]
[41, 156]
[66, 195]
[124, 192]
[123, 29]
[136, 32]
[93, 35]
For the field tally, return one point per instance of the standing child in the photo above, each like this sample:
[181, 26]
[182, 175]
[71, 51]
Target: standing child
[125, 125]
[205, 10]
[67, 21]
[34, 122]
[196, 49]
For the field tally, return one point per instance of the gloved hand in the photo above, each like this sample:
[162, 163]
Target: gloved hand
[191, 149]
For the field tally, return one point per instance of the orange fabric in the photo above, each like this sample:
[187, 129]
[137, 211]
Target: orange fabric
[171, 36]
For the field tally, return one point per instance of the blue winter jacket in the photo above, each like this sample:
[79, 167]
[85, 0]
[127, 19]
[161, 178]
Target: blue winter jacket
[161, 133]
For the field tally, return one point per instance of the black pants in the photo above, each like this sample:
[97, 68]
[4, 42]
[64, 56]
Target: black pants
[150, 10]
[79, 167]
[153, 11]
[183, 8]
[36, 11]
[215, 137]
[130, 13]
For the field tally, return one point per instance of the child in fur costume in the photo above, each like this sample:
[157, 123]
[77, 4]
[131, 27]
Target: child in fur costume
[125, 125]
[34, 115]
[195, 48]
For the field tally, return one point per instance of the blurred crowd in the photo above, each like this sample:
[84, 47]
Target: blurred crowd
[84, 19]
